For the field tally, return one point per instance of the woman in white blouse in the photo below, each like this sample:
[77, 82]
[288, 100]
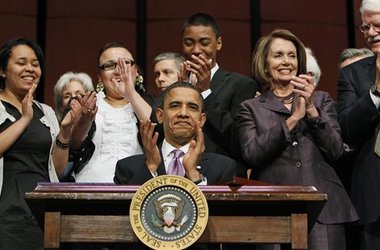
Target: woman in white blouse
[108, 129]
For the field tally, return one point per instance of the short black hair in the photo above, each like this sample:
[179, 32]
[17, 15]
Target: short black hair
[166, 91]
[6, 50]
[202, 19]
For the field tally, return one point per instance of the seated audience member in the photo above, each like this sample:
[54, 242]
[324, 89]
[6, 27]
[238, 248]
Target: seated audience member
[116, 110]
[167, 67]
[182, 117]
[69, 86]
[351, 55]
[290, 132]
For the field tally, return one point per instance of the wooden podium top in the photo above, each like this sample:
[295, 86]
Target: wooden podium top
[237, 189]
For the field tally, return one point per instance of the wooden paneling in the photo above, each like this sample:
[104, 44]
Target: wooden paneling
[18, 19]
[76, 29]
[321, 25]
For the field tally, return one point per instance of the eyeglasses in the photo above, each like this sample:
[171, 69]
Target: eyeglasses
[112, 65]
[365, 27]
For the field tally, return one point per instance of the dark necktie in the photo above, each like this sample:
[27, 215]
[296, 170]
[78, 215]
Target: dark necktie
[175, 166]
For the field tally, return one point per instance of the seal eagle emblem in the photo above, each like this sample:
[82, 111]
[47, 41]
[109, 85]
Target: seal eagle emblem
[168, 212]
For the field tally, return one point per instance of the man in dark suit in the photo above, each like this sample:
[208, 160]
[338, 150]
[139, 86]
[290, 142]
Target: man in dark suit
[223, 91]
[182, 117]
[358, 109]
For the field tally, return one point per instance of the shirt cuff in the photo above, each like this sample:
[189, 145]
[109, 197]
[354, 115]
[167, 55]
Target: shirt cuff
[154, 174]
[375, 99]
[206, 93]
[202, 181]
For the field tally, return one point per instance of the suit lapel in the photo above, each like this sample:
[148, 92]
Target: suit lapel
[218, 81]
[161, 168]
[371, 66]
[269, 101]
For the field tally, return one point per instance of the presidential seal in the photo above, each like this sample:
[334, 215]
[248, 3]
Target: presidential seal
[168, 212]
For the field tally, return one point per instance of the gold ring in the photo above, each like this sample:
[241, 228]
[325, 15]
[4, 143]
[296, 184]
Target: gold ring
[303, 88]
[89, 110]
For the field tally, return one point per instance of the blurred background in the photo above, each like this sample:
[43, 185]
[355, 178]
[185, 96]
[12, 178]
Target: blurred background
[72, 31]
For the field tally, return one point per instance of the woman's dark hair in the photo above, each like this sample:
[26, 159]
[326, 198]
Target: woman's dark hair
[113, 44]
[6, 50]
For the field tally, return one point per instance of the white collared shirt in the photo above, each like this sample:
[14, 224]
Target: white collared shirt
[375, 99]
[168, 155]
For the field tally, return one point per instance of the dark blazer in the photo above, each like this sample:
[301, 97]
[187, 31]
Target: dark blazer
[133, 170]
[359, 120]
[228, 90]
[297, 157]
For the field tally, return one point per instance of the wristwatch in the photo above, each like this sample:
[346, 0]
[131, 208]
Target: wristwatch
[375, 91]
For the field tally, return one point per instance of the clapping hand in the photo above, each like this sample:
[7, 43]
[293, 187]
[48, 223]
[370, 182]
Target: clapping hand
[200, 66]
[89, 107]
[194, 154]
[27, 103]
[149, 141]
[304, 87]
[71, 118]
[127, 76]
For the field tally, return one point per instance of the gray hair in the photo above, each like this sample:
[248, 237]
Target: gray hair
[66, 78]
[177, 58]
[370, 6]
[354, 52]
[312, 65]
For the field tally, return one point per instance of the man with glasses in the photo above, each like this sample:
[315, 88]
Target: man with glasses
[358, 109]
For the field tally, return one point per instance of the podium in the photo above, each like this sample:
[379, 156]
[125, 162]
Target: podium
[258, 213]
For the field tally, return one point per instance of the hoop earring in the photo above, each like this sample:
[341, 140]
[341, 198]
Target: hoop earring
[99, 87]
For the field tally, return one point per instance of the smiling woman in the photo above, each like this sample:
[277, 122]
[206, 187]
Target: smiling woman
[108, 128]
[290, 133]
[33, 147]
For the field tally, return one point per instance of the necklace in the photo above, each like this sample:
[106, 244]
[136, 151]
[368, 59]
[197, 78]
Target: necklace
[288, 99]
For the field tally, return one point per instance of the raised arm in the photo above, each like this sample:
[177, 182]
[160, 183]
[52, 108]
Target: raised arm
[127, 88]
